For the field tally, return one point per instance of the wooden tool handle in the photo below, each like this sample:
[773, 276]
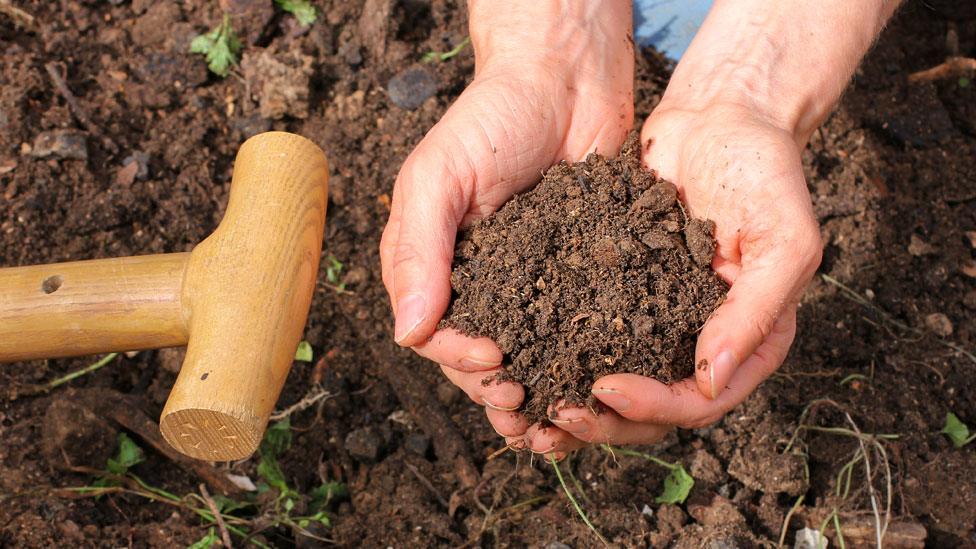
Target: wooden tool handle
[246, 294]
[88, 307]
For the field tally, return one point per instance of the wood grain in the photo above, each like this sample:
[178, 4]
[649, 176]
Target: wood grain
[246, 296]
[238, 301]
[88, 307]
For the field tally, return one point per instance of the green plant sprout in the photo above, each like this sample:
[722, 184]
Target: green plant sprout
[220, 46]
[957, 431]
[117, 478]
[303, 10]
[435, 56]
[105, 360]
[851, 378]
[678, 483]
[207, 541]
[128, 455]
[333, 272]
[572, 499]
[870, 445]
[277, 440]
[304, 352]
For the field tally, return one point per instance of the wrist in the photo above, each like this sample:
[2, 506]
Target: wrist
[786, 62]
[747, 86]
[575, 35]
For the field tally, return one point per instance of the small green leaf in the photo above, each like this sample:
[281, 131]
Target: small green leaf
[677, 486]
[433, 56]
[206, 542]
[304, 352]
[227, 505]
[277, 439]
[303, 10]
[333, 270]
[325, 494]
[323, 519]
[202, 43]
[964, 82]
[128, 455]
[957, 431]
[220, 47]
[270, 471]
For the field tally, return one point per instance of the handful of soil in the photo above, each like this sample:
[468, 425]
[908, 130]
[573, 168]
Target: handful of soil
[597, 270]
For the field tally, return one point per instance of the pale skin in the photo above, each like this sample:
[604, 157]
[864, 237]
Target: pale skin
[553, 81]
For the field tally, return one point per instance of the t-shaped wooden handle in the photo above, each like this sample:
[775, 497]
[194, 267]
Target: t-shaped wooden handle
[239, 301]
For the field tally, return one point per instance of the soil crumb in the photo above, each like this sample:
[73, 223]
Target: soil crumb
[597, 270]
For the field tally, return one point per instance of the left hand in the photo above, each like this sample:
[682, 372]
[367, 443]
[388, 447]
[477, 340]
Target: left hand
[744, 172]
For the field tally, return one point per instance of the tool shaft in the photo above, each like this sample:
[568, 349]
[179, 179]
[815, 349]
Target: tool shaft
[88, 307]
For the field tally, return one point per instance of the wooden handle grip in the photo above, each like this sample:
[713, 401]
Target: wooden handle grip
[88, 307]
[246, 294]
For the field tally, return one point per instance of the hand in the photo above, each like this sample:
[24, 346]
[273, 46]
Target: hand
[740, 107]
[553, 81]
[743, 172]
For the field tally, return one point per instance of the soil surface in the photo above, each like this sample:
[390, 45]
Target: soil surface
[596, 270]
[125, 146]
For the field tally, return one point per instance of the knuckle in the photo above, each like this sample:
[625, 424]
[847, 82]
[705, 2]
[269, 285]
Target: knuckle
[761, 323]
[406, 255]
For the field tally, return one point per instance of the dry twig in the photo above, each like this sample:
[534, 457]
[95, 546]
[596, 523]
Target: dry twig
[224, 534]
[427, 484]
[56, 72]
[953, 67]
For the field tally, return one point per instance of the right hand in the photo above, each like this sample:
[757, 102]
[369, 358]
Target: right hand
[550, 84]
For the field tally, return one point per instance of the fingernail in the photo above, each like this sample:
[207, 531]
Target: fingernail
[575, 426]
[550, 450]
[559, 456]
[473, 363]
[500, 408]
[721, 372]
[411, 311]
[612, 398]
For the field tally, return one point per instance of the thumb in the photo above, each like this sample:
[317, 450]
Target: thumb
[775, 270]
[469, 163]
[430, 199]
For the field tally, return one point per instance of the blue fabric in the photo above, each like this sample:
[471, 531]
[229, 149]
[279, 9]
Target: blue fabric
[668, 25]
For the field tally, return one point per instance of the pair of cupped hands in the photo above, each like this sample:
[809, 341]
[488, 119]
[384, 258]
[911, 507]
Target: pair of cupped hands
[571, 94]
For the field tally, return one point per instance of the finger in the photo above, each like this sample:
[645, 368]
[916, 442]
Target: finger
[607, 427]
[432, 199]
[507, 424]
[776, 268]
[549, 439]
[472, 148]
[647, 400]
[450, 348]
[505, 396]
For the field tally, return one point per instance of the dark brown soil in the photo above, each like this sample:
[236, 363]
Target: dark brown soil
[892, 177]
[597, 270]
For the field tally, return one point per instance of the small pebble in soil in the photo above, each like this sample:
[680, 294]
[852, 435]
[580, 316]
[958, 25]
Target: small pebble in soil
[69, 144]
[940, 324]
[597, 270]
[363, 444]
[969, 300]
[918, 247]
[418, 443]
[141, 160]
[409, 89]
